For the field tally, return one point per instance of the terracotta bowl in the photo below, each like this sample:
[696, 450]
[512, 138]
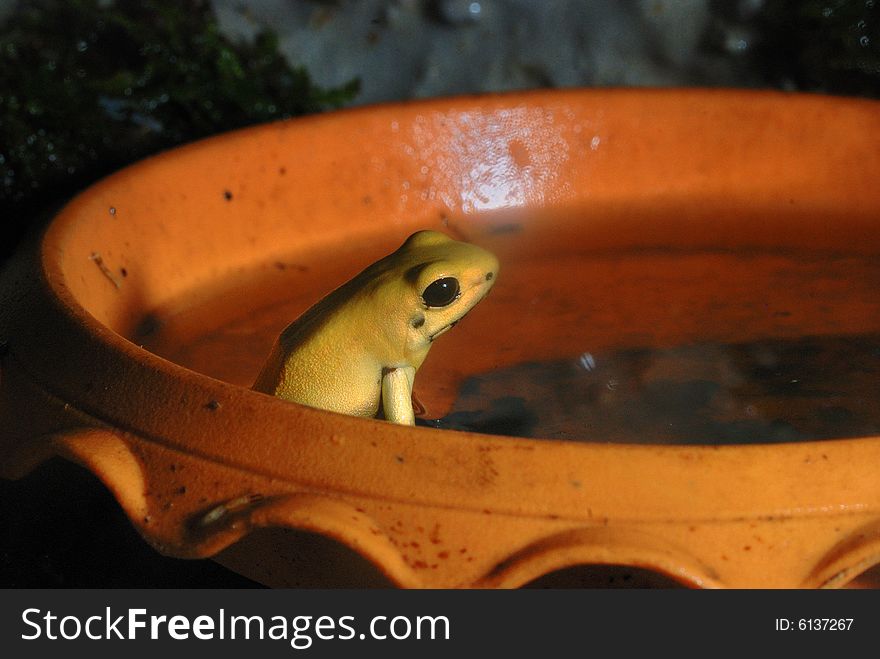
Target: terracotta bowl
[133, 327]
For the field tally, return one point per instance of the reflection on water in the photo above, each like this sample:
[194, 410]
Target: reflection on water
[769, 391]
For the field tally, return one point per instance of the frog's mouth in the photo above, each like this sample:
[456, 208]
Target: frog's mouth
[443, 330]
[448, 327]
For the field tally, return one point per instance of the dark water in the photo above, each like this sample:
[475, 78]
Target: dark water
[770, 391]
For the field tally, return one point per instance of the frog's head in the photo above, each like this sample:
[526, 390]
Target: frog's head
[444, 279]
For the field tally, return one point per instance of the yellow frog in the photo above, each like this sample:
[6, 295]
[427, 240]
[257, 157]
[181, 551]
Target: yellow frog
[362, 344]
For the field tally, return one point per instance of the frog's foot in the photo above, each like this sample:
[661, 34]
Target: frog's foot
[397, 395]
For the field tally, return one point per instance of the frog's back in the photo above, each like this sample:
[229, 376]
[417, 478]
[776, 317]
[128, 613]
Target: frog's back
[320, 359]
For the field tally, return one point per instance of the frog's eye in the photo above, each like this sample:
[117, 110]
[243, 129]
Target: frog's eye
[441, 292]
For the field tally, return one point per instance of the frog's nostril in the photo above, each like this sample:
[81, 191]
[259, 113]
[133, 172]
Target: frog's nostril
[489, 276]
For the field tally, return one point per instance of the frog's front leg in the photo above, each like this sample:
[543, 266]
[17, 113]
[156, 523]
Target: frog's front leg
[397, 386]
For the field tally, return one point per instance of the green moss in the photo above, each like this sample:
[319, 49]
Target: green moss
[88, 86]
